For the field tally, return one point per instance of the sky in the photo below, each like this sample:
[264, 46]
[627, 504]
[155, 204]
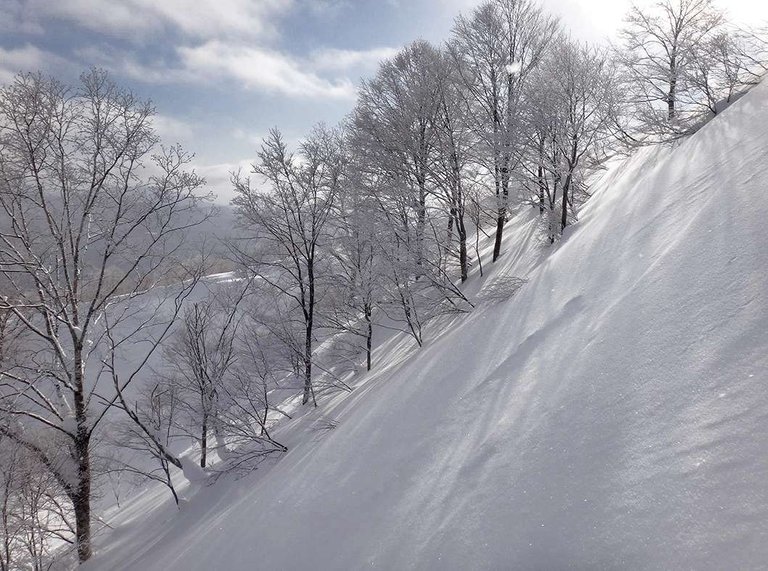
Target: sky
[221, 73]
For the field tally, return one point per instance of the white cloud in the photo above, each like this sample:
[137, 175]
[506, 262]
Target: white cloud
[252, 138]
[215, 18]
[26, 58]
[218, 178]
[336, 59]
[171, 129]
[217, 40]
[15, 18]
[250, 67]
[19, 59]
[327, 8]
[259, 68]
[135, 19]
[125, 64]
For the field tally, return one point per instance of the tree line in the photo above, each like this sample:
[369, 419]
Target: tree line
[367, 227]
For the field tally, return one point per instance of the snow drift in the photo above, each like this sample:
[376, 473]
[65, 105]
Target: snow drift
[613, 414]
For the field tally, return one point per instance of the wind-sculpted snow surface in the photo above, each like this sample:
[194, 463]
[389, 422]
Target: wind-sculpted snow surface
[613, 414]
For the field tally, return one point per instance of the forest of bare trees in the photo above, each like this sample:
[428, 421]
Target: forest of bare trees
[119, 356]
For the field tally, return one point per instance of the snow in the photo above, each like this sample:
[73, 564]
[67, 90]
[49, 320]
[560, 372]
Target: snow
[612, 414]
[192, 470]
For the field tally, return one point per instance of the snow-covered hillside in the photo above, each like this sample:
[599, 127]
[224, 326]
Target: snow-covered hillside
[613, 414]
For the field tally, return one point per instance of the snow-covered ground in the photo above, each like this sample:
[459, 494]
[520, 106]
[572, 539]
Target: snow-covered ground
[613, 414]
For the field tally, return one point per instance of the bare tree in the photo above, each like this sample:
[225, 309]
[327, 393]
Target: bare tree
[34, 520]
[90, 219]
[149, 430]
[455, 141]
[569, 112]
[394, 121]
[351, 308]
[408, 149]
[198, 359]
[496, 48]
[247, 410]
[658, 52]
[287, 226]
[722, 66]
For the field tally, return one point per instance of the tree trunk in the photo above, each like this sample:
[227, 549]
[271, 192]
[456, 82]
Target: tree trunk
[499, 233]
[81, 501]
[505, 170]
[462, 248]
[459, 213]
[564, 208]
[449, 239]
[496, 166]
[540, 176]
[421, 224]
[568, 181]
[204, 441]
[477, 243]
[309, 390]
[5, 556]
[81, 495]
[368, 337]
[672, 95]
[501, 217]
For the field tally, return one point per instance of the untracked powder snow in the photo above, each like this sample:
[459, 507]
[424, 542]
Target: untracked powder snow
[612, 414]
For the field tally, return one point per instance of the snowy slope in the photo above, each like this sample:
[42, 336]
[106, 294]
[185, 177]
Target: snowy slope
[614, 414]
